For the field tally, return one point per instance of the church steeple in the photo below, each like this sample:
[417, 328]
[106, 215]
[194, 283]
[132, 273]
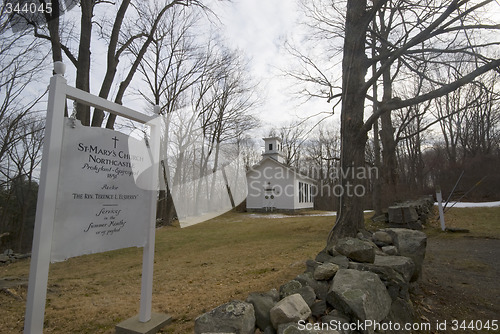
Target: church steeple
[273, 149]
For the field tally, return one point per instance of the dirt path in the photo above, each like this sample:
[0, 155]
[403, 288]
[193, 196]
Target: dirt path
[461, 281]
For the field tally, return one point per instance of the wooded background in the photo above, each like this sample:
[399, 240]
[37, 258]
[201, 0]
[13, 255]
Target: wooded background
[415, 83]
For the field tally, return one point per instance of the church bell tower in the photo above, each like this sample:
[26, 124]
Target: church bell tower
[273, 149]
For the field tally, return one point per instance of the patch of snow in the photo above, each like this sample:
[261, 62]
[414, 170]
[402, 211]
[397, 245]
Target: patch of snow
[280, 215]
[472, 204]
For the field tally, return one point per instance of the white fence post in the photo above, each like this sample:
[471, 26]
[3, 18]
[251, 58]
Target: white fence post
[439, 198]
[46, 205]
[149, 248]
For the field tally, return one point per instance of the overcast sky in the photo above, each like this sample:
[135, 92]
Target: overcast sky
[259, 29]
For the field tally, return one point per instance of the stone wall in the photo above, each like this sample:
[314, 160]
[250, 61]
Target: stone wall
[409, 214]
[8, 256]
[359, 279]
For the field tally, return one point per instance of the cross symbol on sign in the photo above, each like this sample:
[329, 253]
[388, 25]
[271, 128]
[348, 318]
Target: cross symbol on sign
[115, 140]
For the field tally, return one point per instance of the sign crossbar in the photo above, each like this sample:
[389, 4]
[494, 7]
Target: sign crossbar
[98, 102]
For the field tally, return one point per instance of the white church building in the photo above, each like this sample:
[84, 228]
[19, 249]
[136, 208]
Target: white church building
[272, 185]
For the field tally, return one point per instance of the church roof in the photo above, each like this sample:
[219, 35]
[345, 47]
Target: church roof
[281, 165]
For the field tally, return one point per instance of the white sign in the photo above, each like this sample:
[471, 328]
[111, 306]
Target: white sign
[99, 206]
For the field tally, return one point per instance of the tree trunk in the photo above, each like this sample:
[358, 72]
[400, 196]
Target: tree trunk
[112, 62]
[389, 168]
[376, 182]
[83, 68]
[166, 208]
[354, 65]
[53, 25]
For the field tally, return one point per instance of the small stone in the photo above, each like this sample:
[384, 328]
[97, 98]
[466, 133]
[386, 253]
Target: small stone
[290, 309]
[341, 260]
[390, 250]
[8, 252]
[326, 271]
[318, 308]
[330, 249]
[289, 288]
[269, 330]
[311, 265]
[323, 257]
[320, 287]
[382, 237]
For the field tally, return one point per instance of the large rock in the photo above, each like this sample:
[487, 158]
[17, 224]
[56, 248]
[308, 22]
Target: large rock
[402, 264]
[412, 244]
[233, 317]
[402, 214]
[308, 294]
[340, 322]
[355, 249]
[402, 312]
[395, 283]
[262, 304]
[360, 294]
[290, 309]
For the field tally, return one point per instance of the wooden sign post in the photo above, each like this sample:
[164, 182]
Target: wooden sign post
[439, 198]
[88, 201]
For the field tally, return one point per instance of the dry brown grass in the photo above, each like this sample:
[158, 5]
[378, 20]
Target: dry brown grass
[481, 223]
[196, 269]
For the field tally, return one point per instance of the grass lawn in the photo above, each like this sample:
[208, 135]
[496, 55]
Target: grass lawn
[196, 269]
[482, 222]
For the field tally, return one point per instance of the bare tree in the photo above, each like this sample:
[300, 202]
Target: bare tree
[322, 151]
[293, 136]
[424, 33]
[169, 71]
[21, 131]
[131, 23]
[249, 151]
[21, 63]
[25, 158]
[231, 99]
